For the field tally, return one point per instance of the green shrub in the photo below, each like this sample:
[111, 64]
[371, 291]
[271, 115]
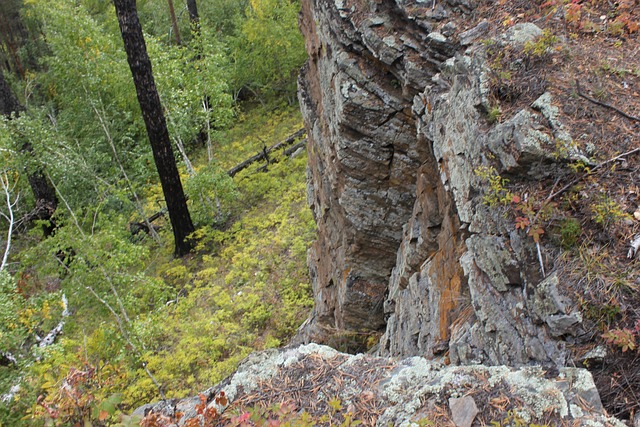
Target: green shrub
[570, 231]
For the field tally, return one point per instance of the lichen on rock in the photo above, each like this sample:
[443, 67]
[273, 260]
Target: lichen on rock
[382, 391]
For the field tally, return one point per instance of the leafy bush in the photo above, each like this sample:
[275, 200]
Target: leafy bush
[268, 50]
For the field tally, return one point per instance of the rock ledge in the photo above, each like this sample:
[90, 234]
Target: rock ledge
[383, 391]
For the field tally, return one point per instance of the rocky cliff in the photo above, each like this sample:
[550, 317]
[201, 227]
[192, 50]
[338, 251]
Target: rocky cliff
[395, 98]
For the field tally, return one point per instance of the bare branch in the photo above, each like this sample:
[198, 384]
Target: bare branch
[8, 189]
[73, 215]
[599, 165]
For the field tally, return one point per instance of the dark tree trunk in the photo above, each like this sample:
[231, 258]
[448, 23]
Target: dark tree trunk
[12, 35]
[46, 199]
[8, 102]
[43, 191]
[156, 124]
[193, 13]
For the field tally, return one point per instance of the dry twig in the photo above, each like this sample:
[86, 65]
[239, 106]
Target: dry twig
[604, 104]
[599, 165]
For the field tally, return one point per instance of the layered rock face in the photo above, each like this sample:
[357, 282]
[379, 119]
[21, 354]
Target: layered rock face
[395, 100]
[356, 94]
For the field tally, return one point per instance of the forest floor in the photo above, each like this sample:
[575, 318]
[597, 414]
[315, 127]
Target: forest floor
[183, 323]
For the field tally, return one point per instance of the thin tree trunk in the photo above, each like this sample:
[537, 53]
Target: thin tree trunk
[152, 231]
[7, 188]
[174, 22]
[205, 106]
[155, 123]
[187, 163]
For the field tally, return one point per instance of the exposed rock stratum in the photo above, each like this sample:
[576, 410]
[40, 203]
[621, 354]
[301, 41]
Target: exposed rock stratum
[396, 116]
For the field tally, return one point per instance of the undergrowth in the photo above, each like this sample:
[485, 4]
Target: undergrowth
[145, 326]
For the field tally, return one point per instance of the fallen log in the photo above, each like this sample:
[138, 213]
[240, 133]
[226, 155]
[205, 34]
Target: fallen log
[137, 227]
[289, 151]
[264, 154]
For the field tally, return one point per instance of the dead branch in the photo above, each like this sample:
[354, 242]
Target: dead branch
[137, 227]
[264, 154]
[604, 104]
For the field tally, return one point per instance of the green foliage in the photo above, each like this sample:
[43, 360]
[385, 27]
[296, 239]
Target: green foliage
[106, 263]
[223, 16]
[93, 106]
[22, 316]
[606, 212]
[250, 290]
[211, 193]
[192, 85]
[14, 325]
[135, 312]
[191, 320]
[86, 92]
[497, 194]
[268, 50]
[493, 115]
[570, 231]
[542, 46]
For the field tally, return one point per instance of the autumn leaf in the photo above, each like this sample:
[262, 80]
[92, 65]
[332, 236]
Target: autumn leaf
[522, 222]
[536, 232]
